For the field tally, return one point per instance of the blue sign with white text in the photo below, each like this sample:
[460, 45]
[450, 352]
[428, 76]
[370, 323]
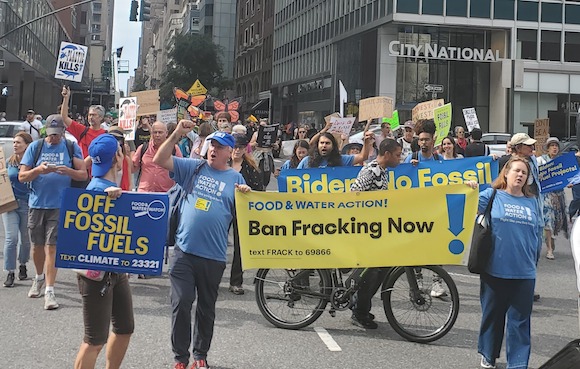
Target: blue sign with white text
[125, 235]
[481, 169]
[558, 173]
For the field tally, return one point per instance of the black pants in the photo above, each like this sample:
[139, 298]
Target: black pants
[237, 275]
[369, 285]
[189, 276]
[266, 174]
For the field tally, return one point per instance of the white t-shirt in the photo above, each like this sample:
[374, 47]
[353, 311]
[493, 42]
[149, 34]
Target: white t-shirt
[32, 128]
[406, 148]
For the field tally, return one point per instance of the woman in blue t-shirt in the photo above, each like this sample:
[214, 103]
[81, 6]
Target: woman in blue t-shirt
[16, 221]
[507, 285]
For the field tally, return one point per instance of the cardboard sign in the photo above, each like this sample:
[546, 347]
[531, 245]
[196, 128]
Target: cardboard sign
[470, 117]
[442, 118]
[341, 125]
[7, 199]
[330, 116]
[425, 109]
[541, 134]
[375, 108]
[148, 102]
[288, 147]
[197, 88]
[126, 235]
[70, 62]
[393, 121]
[167, 116]
[128, 113]
[267, 135]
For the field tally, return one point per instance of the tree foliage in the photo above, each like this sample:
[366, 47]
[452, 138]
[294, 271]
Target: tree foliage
[193, 57]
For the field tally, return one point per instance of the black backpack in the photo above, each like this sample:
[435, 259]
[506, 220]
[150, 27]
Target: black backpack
[71, 150]
[416, 156]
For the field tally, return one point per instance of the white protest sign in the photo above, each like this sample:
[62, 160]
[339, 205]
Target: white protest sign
[167, 116]
[70, 62]
[128, 113]
[341, 125]
[288, 147]
[470, 117]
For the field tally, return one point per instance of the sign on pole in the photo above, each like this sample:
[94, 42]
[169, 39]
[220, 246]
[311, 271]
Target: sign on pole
[167, 116]
[434, 88]
[443, 119]
[541, 134]
[148, 102]
[375, 107]
[470, 117]
[70, 62]
[197, 88]
[128, 113]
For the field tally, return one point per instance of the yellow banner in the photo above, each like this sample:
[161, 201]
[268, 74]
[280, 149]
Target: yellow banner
[419, 226]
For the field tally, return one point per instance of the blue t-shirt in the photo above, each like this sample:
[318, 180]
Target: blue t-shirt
[286, 165]
[100, 184]
[206, 213]
[347, 161]
[47, 189]
[20, 189]
[515, 225]
[421, 158]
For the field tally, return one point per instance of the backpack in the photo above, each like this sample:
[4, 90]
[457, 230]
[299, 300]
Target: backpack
[185, 145]
[416, 156]
[71, 150]
[177, 196]
[144, 148]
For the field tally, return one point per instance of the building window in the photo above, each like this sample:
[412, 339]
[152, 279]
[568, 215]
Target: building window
[96, 37]
[97, 18]
[480, 9]
[434, 7]
[97, 7]
[552, 12]
[572, 14]
[550, 46]
[572, 47]
[408, 6]
[389, 6]
[209, 10]
[503, 9]
[457, 8]
[83, 17]
[527, 44]
[527, 11]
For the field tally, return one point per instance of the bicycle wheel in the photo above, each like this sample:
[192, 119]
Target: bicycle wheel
[422, 318]
[292, 304]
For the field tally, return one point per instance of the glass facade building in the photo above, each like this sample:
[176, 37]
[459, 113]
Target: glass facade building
[513, 60]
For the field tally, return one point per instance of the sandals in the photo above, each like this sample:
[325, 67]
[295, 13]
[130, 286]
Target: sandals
[550, 256]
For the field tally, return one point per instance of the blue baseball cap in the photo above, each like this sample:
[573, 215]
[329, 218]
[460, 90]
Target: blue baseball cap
[102, 150]
[224, 139]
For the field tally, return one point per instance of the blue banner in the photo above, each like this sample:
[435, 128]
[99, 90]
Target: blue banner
[482, 169]
[126, 235]
[558, 173]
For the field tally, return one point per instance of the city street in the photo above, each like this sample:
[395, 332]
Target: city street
[33, 337]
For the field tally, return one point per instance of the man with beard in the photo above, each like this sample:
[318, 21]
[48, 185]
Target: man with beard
[324, 152]
[426, 137]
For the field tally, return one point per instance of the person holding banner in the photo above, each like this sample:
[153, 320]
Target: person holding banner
[108, 300]
[263, 155]
[324, 152]
[449, 148]
[16, 221]
[407, 139]
[507, 285]
[373, 177]
[425, 131]
[476, 147]
[299, 152]
[84, 135]
[554, 203]
[49, 173]
[201, 240]
[460, 139]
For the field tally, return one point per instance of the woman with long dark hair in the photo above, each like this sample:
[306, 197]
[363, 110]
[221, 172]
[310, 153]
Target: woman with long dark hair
[449, 149]
[16, 221]
[299, 152]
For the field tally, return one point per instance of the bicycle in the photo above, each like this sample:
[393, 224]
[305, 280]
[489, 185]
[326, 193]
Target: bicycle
[295, 298]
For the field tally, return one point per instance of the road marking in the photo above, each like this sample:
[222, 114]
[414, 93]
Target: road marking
[464, 275]
[327, 339]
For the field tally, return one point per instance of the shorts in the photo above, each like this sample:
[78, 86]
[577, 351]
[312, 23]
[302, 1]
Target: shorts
[43, 226]
[115, 306]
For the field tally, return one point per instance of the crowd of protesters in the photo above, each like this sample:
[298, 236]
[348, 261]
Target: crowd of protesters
[162, 155]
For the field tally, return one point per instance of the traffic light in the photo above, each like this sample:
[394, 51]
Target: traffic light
[133, 14]
[145, 14]
[5, 90]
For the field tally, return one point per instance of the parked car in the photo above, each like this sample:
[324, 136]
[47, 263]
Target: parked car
[497, 142]
[7, 132]
[359, 136]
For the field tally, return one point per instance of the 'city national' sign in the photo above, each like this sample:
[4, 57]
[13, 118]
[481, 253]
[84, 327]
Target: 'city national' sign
[434, 51]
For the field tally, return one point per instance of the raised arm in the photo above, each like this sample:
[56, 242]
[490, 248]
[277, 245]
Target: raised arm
[64, 107]
[366, 149]
[163, 157]
[326, 128]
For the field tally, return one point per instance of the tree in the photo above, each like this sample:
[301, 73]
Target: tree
[193, 57]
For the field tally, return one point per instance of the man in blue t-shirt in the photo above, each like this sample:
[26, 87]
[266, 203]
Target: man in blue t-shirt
[202, 238]
[324, 152]
[425, 131]
[49, 174]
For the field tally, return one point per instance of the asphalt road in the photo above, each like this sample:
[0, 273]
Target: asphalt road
[33, 337]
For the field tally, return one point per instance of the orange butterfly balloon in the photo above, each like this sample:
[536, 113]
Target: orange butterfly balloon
[230, 107]
[188, 102]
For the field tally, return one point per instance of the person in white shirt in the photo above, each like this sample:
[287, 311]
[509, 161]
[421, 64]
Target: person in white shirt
[31, 125]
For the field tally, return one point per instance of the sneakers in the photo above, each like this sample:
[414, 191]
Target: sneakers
[180, 366]
[22, 272]
[200, 364]
[9, 280]
[550, 256]
[437, 289]
[236, 290]
[36, 289]
[486, 364]
[363, 322]
[50, 301]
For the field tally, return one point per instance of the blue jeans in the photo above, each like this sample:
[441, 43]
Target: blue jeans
[16, 224]
[500, 298]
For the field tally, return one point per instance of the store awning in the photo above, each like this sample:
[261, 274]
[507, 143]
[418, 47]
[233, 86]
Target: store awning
[261, 108]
